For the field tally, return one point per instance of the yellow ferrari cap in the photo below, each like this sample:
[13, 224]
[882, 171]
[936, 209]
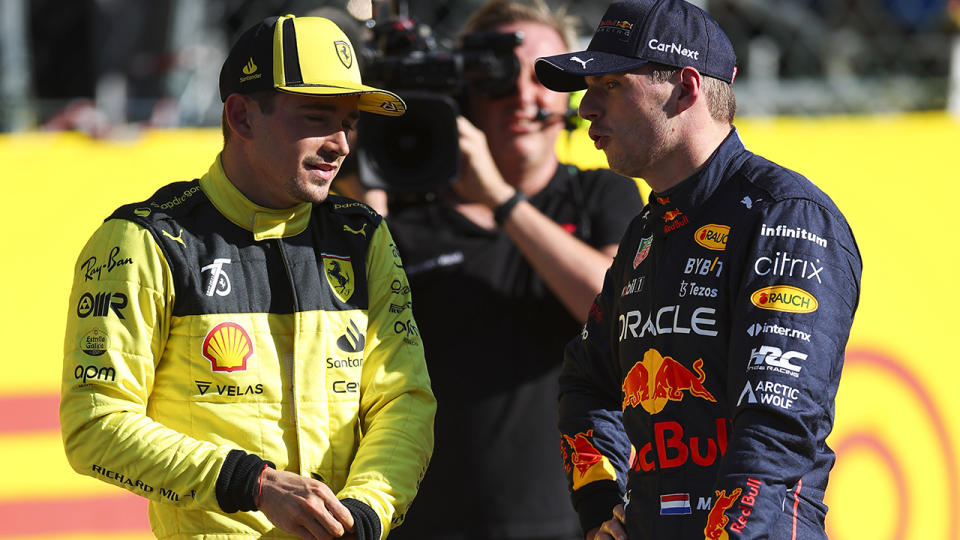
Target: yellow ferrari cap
[301, 55]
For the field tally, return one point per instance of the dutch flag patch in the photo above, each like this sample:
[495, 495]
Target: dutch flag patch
[674, 504]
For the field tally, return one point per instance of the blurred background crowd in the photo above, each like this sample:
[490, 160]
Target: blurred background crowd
[106, 67]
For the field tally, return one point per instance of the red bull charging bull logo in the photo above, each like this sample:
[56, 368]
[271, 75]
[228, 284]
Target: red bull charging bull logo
[657, 380]
[590, 465]
[717, 519]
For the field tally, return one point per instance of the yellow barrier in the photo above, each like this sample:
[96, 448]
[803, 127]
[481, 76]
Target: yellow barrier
[897, 431]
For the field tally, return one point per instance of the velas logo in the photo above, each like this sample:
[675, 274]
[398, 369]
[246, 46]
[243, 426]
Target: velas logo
[656, 380]
[712, 236]
[590, 465]
[784, 298]
[228, 347]
[344, 53]
[717, 518]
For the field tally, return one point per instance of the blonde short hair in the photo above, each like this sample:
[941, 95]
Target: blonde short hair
[497, 12]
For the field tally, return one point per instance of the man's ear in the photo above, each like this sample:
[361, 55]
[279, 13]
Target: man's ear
[690, 88]
[238, 110]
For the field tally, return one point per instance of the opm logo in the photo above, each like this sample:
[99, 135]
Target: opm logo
[85, 373]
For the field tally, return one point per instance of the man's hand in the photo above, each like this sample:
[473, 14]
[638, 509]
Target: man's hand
[612, 528]
[480, 180]
[303, 506]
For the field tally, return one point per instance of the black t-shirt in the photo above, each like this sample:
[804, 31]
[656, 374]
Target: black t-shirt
[494, 335]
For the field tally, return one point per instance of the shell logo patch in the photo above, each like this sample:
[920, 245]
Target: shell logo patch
[228, 347]
[339, 272]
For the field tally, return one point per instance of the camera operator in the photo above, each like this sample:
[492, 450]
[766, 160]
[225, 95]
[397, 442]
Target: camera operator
[504, 265]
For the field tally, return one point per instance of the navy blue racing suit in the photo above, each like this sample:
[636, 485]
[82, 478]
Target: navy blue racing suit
[701, 390]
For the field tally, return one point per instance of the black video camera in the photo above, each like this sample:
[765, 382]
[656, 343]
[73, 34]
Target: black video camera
[420, 151]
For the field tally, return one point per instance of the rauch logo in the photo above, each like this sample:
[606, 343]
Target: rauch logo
[784, 298]
[712, 236]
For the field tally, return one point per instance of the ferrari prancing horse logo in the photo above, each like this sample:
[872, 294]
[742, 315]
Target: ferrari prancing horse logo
[339, 273]
[344, 53]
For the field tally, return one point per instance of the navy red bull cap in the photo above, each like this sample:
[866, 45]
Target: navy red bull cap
[634, 32]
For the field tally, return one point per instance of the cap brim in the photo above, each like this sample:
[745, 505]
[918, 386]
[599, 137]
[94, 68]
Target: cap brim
[566, 72]
[372, 100]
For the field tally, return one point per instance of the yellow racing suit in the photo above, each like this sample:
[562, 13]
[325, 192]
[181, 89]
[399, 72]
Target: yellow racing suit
[208, 336]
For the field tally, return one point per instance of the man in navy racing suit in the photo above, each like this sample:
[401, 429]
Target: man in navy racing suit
[697, 400]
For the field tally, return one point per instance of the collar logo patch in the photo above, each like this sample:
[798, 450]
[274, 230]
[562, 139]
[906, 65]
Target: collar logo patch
[228, 347]
[339, 273]
[344, 53]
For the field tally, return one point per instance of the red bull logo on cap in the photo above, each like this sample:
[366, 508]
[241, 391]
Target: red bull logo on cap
[656, 380]
[589, 465]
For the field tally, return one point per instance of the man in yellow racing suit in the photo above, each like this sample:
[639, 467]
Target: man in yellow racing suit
[244, 341]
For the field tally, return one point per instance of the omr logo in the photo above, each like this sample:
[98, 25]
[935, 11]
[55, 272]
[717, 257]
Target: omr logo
[784, 298]
[228, 347]
[712, 236]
